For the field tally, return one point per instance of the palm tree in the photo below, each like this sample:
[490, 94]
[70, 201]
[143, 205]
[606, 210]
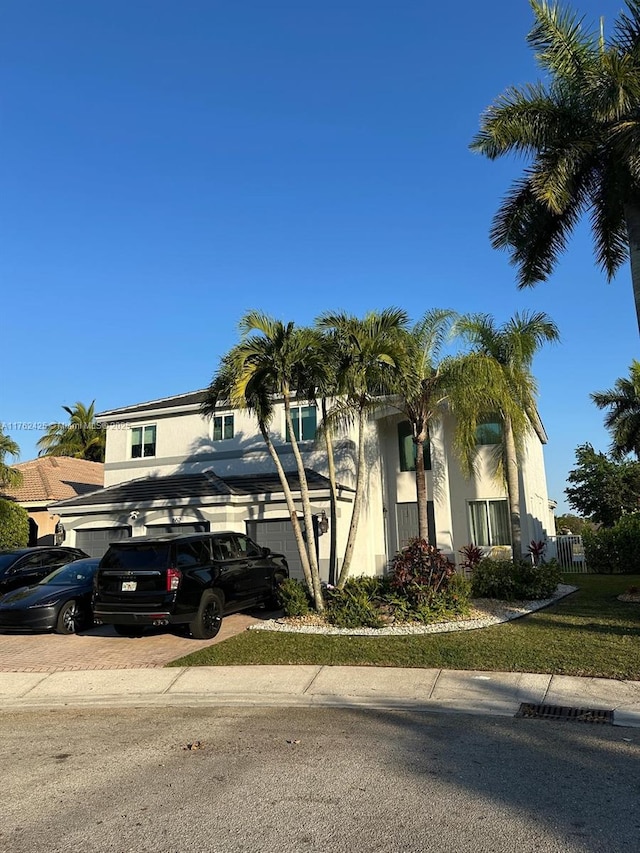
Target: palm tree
[581, 133]
[623, 419]
[9, 476]
[425, 393]
[268, 363]
[371, 361]
[81, 438]
[495, 379]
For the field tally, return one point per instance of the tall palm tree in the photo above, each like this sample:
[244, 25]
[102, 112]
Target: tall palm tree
[371, 361]
[623, 419]
[495, 379]
[581, 135]
[8, 476]
[425, 393]
[268, 363]
[81, 438]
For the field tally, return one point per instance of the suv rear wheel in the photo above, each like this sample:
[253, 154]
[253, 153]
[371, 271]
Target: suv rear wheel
[209, 618]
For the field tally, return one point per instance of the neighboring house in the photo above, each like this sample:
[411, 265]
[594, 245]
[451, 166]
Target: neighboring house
[168, 468]
[48, 479]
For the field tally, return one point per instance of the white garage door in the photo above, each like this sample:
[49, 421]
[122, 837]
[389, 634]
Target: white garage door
[278, 535]
[95, 542]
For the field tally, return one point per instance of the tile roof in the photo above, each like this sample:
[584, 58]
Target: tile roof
[55, 478]
[203, 485]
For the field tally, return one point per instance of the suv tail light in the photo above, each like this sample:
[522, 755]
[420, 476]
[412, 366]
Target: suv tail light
[174, 577]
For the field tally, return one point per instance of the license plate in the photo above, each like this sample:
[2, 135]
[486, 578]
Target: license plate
[129, 586]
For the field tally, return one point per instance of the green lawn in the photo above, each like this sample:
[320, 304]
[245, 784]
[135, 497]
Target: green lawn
[589, 632]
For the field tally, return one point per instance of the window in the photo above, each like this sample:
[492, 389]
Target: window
[222, 427]
[408, 449]
[489, 522]
[192, 552]
[247, 547]
[143, 441]
[489, 431]
[304, 423]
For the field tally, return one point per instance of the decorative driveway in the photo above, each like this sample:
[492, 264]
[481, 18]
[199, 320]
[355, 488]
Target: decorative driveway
[102, 648]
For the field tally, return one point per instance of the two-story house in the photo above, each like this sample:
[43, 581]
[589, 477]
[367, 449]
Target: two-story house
[170, 469]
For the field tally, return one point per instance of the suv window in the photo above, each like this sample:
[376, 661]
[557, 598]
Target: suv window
[140, 557]
[247, 547]
[193, 553]
[225, 548]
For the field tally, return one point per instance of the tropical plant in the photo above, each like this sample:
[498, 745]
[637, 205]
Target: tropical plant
[623, 418]
[425, 393]
[80, 438]
[371, 363]
[580, 132]
[602, 489]
[269, 362]
[9, 476]
[495, 379]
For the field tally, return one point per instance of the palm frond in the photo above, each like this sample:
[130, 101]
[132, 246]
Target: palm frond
[608, 225]
[523, 121]
[534, 234]
[561, 44]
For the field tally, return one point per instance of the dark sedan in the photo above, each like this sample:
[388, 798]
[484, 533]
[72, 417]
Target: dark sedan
[61, 602]
[25, 566]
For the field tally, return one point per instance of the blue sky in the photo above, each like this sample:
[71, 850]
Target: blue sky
[167, 166]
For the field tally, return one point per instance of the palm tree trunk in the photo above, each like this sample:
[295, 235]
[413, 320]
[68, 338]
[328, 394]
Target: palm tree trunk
[421, 491]
[333, 489]
[513, 488]
[357, 504]
[306, 510]
[295, 522]
[632, 217]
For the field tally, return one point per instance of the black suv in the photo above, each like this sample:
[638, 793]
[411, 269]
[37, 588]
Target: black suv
[26, 566]
[191, 579]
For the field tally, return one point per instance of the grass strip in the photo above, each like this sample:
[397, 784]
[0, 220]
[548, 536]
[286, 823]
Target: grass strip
[588, 633]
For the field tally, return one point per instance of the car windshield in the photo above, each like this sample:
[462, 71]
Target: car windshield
[138, 557]
[72, 573]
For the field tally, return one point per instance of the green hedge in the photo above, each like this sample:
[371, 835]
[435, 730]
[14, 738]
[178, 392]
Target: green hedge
[14, 525]
[514, 580]
[614, 550]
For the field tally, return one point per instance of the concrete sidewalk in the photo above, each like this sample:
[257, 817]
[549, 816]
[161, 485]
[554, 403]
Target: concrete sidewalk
[320, 686]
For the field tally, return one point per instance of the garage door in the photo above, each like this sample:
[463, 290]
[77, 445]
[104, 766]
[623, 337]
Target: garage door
[278, 535]
[198, 527]
[95, 542]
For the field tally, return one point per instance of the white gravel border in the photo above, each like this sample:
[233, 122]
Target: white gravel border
[501, 611]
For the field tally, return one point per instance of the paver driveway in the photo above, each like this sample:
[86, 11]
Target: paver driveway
[102, 648]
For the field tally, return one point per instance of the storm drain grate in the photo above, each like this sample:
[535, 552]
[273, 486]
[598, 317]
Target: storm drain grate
[559, 712]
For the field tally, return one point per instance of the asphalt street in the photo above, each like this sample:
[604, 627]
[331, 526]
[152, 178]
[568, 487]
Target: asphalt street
[228, 779]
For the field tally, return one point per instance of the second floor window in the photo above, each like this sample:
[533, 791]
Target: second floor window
[143, 441]
[489, 431]
[408, 449]
[222, 427]
[304, 423]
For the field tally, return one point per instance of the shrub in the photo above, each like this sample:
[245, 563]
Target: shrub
[357, 605]
[514, 579]
[614, 550]
[294, 598]
[14, 525]
[420, 571]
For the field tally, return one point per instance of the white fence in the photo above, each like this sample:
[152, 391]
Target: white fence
[568, 551]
